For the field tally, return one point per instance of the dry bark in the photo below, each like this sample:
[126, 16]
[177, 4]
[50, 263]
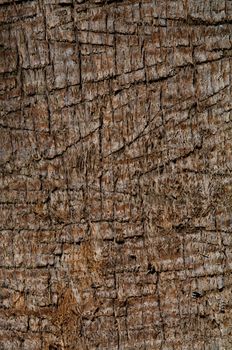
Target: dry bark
[116, 187]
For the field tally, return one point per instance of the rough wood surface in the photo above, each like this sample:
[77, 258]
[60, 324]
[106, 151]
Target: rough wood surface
[116, 182]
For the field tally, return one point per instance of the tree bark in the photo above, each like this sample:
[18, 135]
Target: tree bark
[116, 186]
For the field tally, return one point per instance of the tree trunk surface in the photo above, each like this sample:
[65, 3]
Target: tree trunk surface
[116, 182]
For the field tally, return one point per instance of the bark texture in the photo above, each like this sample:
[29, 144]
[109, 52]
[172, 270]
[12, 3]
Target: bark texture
[116, 183]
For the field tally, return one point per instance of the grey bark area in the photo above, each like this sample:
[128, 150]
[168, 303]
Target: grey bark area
[115, 175]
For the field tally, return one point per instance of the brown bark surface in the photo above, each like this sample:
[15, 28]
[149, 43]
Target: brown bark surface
[115, 175]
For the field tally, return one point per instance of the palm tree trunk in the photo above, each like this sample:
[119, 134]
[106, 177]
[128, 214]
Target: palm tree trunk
[116, 183]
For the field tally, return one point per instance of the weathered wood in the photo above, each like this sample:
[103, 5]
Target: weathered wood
[116, 186]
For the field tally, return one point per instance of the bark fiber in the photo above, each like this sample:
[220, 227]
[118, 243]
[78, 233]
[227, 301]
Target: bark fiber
[115, 175]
